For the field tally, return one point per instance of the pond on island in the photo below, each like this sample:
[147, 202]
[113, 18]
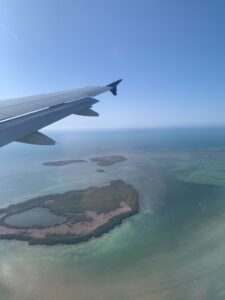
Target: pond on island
[37, 216]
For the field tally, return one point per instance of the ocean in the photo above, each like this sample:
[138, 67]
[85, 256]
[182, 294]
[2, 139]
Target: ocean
[174, 248]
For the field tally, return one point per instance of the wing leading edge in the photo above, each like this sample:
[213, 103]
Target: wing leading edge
[22, 118]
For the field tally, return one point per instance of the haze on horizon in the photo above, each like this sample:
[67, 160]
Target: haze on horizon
[169, 53]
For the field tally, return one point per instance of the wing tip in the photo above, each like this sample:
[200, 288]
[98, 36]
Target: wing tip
[113, 86]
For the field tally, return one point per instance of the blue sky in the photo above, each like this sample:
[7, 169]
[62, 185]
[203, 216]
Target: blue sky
[171, 55]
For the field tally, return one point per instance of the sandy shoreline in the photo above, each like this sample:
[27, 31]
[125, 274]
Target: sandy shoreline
[79, 228]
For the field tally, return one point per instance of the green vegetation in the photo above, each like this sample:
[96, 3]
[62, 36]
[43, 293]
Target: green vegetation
[108, 160]
[63, 162]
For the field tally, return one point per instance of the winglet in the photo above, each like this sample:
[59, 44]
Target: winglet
[113, 86]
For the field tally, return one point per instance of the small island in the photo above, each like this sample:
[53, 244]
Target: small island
[108, 160]
[100, 161]
[58, 163]
[71, 217]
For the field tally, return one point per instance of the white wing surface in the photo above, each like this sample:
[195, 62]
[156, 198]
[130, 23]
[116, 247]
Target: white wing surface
[21, 118]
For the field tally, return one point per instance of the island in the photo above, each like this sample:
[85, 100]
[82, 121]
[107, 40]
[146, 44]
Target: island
[100, 161]
[108, 160]
[71, 217]
[58, 163]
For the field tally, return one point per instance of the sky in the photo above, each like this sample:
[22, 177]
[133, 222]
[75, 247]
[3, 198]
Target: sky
[171, 55]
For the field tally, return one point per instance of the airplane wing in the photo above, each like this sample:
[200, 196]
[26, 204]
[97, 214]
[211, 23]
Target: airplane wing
[22, 118]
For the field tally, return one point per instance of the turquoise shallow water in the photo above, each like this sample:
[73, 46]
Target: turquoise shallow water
[173, 249]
